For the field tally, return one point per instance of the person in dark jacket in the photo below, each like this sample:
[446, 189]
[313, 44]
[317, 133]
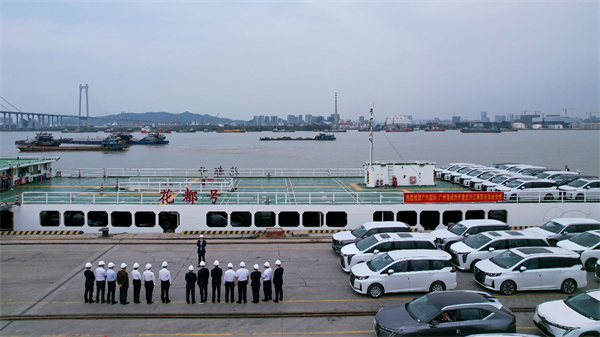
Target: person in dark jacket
[201, 249]
[89, 283]
[203, 275]
[278, 281]
[216, 273]
[255, 278]
[123, 282]
[190, 285]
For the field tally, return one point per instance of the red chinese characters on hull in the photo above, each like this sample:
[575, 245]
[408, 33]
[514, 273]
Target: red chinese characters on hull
[449, 197]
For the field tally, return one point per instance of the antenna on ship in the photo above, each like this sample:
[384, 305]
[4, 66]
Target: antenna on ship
[371, 138]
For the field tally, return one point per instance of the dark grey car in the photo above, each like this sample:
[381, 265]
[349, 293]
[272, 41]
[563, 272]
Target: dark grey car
[445, 313]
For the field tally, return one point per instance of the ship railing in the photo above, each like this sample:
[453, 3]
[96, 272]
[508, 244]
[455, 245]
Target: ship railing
[201, 172]
[177, 185]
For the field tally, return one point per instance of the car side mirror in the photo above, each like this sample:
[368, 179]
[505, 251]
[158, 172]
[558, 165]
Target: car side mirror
[492, 249]
[376, 251]
[522, 269]
[467, 235]
[565, 233]
[391, 271]
[434, 323]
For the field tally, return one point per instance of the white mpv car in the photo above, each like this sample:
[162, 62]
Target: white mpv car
[404, 271]
[531, 268]
[369, 248]
[578, 315]
[587, 245]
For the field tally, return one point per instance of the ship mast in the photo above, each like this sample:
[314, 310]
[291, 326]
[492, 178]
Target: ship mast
[371, 138]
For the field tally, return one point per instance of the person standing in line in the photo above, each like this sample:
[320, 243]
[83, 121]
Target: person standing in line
[111, 280]
[201, 249]
[190, 285]
[241, 279]
[203, 276]
[255, 277]
[149, 283]
[100, 281]
[164, 275]
[89, 283]
[216, 274]
[278, 281]
[267, 275]
[229, 279]
[123, 281]
[137, 283]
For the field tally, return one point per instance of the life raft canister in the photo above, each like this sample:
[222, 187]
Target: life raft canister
[412, 179]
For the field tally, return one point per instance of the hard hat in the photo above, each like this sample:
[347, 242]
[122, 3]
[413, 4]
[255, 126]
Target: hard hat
[201, 235]
[110, 265]
[148, 266]
[278, 263]
[267, 264]
[101, 263]
[164, 264]
[242, 264]
[202, 264]
[190, 268]
[230, 265]
[123, 265]
[256, 266]
[88, 265]
[136, 265]
[216, 262]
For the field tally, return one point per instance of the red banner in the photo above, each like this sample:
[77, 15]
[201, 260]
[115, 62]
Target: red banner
[443, 197]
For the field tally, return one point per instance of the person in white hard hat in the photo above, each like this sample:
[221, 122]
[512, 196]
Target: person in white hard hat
[278, 281]
[123, 282]
[241, 279]
[203, 275]
[137, 283]
[229, 278]
[190, 285]
[89, 283]
[100, 281]
[165, 282]
[201, 249]
[149, 283]
[255, 277]
[267, 276]
[111, 281]
[216, 273]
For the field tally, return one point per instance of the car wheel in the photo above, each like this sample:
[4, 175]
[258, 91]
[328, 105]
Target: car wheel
[579, 197]
[375, 290]
[548, 197]
[508, 288]
[473, 264]
[568, 286]
[590, 264]
[437, 286]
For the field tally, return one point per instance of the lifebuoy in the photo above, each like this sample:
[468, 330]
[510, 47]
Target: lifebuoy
[412, 179]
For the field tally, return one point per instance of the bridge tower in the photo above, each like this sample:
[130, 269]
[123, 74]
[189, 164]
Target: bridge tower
[87, 107]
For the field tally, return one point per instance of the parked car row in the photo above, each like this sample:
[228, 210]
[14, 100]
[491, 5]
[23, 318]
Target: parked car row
[522, 182]
[384, 257]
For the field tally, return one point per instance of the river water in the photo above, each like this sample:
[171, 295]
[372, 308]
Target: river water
[580, 150]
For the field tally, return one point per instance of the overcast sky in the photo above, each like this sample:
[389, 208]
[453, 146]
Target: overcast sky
[245, 58]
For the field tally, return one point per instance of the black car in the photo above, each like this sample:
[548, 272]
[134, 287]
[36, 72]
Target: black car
[445, 313]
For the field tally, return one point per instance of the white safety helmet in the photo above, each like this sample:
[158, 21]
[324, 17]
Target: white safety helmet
[148, 266]
[267, 264]
[216, 263]
[164, 264]
[201, 235]
[190, 268]
[110, 265]
[101, 263]
[230, 265]
[136, 265]
[202, 264]
[88, 265]
[123, 265]
[278, 263]
[256, 266]
[242, 264]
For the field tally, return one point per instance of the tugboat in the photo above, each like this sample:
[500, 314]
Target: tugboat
[153, 138]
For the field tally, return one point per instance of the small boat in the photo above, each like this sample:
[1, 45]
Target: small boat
[223, 130]
[320, 136]
[434, 130]
[108, 144]
[186, 131]
[153, 138]
[481, 130]
[399, 130]
[283, 130]
[41, 139]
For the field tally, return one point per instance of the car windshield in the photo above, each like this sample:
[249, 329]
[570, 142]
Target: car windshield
[585, 305]
[422, 309]
[380, 262]
[499, 179]
[552, 226]
[366, 243]
[464, 170]
[514, 184]
[477, 241]
[577, 183]
[486, 175]
[543, 175]
[586, 239]
[359, 231]
[506, 259]
[458, 229]
[474, 173]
